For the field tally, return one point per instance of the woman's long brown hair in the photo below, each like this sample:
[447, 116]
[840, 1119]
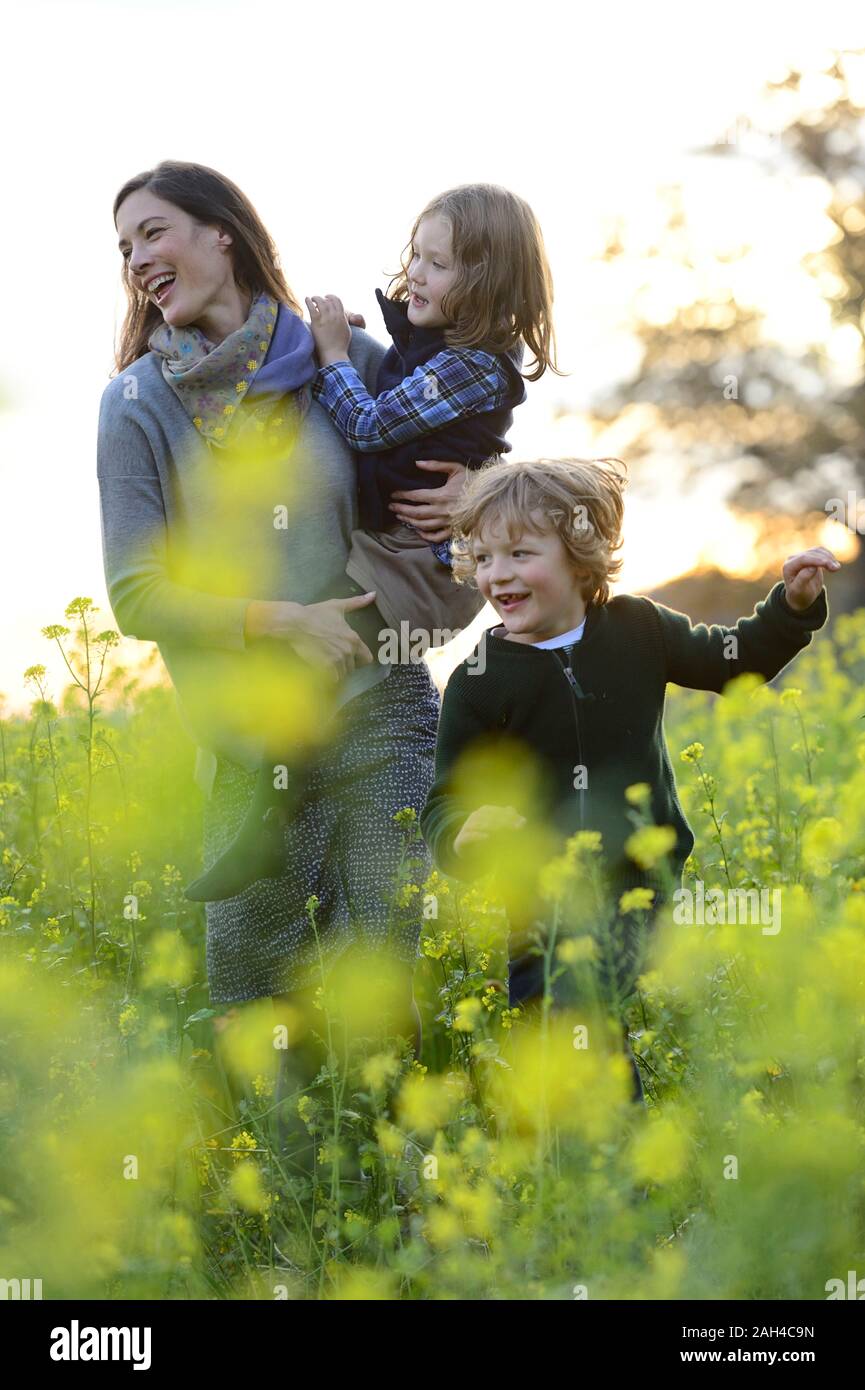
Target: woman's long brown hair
[212, 200]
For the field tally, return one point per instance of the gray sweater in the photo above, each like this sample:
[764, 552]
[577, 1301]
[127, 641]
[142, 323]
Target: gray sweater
[160, 502]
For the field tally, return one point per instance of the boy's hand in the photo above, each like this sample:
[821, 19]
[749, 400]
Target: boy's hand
[330, 328]
[485, 822]
[803, 576]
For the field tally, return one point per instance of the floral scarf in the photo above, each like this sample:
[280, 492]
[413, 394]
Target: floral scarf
[251, 380]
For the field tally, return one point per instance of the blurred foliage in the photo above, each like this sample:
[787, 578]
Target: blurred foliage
[155, 1146]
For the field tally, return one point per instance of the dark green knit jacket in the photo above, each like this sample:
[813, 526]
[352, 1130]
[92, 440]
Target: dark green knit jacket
[604, 713]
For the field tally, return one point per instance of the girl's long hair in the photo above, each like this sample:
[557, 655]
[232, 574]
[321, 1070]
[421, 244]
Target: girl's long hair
[213, 200]
[504, 287]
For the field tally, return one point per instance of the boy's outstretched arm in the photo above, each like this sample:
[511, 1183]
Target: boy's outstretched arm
[706, 658]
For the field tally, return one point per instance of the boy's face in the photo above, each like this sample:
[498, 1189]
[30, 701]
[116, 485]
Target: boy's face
[530, 581]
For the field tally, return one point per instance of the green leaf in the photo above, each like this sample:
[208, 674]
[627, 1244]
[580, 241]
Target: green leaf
[199, 1017]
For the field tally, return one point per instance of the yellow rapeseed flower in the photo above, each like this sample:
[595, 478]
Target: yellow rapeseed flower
[692, 753]
[637, 899]
[466, 1014]
[821, 842]
[427, 1102]
[389, 1139]
[127, 1023]
[247, 1187]
[377, 1071]
[170, 962]
[638, 793]
[443, 1227]
[649, 844]
[357, 1285]
[659, 1152]
[575, 949]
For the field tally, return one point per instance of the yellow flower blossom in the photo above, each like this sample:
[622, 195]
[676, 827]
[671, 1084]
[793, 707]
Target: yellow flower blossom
[638, 793]
[575, 949]
[466, 1014]
[377, 1071]
[637, 900]
[127, 1022]
[247, 1187]
[426, 1102]
[693, 753]
[659, 1152]
[170, 961]
[651, 843]
[443, 1227]
[389, 1139]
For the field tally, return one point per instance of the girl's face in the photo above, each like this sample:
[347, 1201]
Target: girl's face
[431, 272]
[160, 240]
[530, 581]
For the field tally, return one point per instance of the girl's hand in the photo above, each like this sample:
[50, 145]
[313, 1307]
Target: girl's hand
[318, 632]
[429, 510]
[803, 576]
[478, 827]
[330, 328]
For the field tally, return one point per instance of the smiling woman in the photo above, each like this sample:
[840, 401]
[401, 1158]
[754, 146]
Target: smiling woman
[206, 271]
[207, 431]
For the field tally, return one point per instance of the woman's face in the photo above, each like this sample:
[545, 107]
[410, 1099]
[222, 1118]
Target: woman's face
[160, 240]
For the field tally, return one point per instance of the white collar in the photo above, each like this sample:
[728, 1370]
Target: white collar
[563, 640]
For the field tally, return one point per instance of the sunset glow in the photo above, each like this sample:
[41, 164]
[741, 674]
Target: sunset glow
[588, 168]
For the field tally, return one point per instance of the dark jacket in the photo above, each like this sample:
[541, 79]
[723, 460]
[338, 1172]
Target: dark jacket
[470, 441]
[604, 712]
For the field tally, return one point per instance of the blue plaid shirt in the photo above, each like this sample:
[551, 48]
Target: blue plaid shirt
[451, 385]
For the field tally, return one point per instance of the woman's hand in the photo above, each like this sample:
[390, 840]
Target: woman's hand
[803, 576]
[483, 823]
[429, 510]
[330, 328]
[318, 632]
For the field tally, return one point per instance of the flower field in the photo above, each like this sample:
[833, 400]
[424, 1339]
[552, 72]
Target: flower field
[156, 1147]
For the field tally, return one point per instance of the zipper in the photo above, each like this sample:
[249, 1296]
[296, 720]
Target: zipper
[576, 693]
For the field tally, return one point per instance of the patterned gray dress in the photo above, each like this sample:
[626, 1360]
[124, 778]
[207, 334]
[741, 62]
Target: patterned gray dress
[342, 846]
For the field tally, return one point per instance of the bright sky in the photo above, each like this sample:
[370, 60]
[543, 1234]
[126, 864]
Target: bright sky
[340, 121]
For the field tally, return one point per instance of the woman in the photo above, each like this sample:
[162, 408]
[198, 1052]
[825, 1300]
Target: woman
[222, 567]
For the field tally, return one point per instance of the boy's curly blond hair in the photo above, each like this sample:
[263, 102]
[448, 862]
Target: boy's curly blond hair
[581, 499]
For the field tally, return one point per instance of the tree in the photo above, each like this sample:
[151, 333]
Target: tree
[714, 386]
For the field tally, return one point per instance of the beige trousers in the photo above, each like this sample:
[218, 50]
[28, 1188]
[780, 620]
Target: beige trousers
[411, 584]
